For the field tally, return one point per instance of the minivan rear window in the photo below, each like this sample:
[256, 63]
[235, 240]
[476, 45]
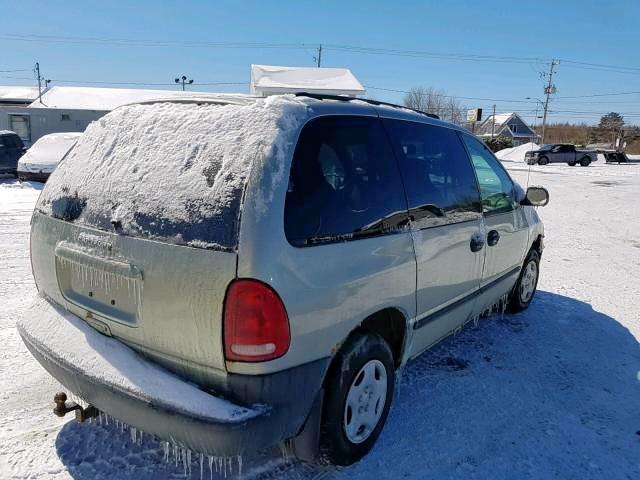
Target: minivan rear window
[173, 172]
[344, 183]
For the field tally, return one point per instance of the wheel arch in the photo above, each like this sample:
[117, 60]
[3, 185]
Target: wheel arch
[537, 244]
[389, 323]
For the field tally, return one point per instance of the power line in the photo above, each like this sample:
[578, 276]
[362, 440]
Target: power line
[600, 95]
[303, 45]
[145, 43]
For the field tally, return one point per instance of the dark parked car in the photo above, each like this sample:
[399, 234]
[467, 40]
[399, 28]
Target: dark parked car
[11, 149]
[561, 153]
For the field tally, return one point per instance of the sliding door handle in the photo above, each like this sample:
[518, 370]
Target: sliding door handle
[477, 242]
[493, 237]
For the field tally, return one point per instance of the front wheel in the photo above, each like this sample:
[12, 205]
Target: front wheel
[543, 161]
[359, 391]
[585, 161]
[525, 288]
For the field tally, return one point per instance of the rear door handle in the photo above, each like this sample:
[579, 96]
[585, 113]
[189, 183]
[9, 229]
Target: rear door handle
[493, 237]
[477, 242]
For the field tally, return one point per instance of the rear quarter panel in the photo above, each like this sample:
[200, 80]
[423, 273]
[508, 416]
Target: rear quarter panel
[328, 290]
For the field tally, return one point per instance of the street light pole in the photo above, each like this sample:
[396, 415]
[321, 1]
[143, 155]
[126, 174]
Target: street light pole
[535, 120]
[184, 81]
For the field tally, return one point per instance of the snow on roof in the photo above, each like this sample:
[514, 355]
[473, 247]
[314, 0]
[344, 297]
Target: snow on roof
[269, 79]
[92, 98]
[501, 118]
[18, 94]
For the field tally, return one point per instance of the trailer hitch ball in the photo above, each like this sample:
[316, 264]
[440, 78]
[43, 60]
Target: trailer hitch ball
[63, 407]
[60, 399]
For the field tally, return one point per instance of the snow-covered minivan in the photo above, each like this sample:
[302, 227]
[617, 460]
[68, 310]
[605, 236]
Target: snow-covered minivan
[229, 274]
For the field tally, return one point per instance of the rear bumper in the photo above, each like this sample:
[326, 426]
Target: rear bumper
[118, 381]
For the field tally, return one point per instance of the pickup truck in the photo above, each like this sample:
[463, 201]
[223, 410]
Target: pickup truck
[561, 153]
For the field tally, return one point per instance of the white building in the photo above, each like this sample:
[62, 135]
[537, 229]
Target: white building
[272, 80]
[67, 109]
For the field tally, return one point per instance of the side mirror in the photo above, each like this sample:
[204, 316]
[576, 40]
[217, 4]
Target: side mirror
[536, 197]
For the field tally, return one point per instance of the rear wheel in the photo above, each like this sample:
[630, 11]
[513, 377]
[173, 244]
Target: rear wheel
[525, 288]
[359, 391]
[543, 161]
[572, 164]
[585, 161]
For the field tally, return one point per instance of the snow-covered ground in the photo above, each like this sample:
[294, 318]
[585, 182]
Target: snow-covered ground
[553, 392]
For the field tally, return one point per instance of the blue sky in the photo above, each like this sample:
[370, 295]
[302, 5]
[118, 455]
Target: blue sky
[587, 31]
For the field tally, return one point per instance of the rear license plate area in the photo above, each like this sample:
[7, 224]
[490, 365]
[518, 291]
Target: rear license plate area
[106, 288]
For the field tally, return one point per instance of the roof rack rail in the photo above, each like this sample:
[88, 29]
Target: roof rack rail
[322, 96]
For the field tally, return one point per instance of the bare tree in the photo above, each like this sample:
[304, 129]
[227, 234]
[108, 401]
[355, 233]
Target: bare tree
[430, 100]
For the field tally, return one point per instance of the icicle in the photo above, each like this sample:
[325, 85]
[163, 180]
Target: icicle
[184, 461]
[201, 466]
[133, 434]
[239, 466]
[210, 460]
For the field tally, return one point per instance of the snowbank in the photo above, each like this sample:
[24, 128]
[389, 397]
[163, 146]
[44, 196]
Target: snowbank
[171, 171]
[47, 152]
[109, 361]
[516, 154]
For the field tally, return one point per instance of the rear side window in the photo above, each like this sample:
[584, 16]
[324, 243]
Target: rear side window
[344, 183]
[438, 177]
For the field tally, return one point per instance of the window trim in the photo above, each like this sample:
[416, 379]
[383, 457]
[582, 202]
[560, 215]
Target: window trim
[499, 163]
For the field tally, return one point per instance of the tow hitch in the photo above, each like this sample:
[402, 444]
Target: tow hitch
[63, 407]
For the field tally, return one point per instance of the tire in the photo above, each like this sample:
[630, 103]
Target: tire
[571, 164]
[363, 375]
[525, 288]
[543, 161]
[585, 161]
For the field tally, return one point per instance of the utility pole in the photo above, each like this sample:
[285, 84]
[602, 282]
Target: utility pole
[184, 80]
[493, 121]
[548, 90]
[319, 57]
[37, 68]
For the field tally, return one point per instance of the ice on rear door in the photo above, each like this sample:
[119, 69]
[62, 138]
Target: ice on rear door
[169, 171]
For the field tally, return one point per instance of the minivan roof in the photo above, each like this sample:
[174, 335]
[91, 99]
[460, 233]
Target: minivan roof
[331, 104]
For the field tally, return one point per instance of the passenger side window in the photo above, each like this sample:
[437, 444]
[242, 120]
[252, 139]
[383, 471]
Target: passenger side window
[496, 187]
[438, 177]
[344, 183]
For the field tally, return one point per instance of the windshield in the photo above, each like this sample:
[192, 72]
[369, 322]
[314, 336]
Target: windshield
[167, 171]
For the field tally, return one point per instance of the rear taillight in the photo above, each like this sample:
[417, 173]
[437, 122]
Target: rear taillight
[256, 326]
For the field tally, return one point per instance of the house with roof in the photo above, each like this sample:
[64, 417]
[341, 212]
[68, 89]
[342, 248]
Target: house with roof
[509, 125]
